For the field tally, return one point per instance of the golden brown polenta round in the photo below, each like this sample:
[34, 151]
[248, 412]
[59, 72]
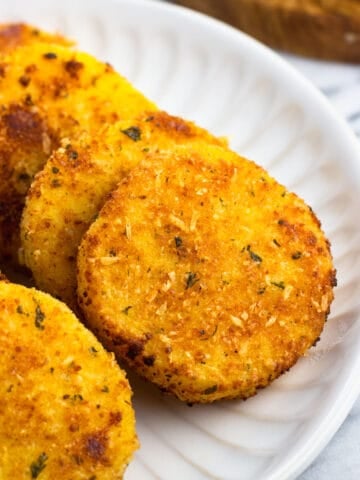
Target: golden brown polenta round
[69, 192]
[65, 410]
[205, 275]
[49, 92]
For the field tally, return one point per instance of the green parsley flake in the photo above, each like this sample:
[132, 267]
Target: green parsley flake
[191, 279]
[254, 256]
[133, 132]
[38, 466]
[39, 318]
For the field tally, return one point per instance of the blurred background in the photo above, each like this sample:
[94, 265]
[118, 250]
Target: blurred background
[325, 29]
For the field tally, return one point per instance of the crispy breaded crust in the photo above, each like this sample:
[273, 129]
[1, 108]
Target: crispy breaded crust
[65, 406]
[25, 144]
[69, 192]
[14, 35]
[48, 92]
[205, 275]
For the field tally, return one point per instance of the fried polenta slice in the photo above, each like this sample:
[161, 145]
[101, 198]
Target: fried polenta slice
[14, 35]
[65, 404]
[25, 144]
[48, 92]
[205, 275]
[68, 193]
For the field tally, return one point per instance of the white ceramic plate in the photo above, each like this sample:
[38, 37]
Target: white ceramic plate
[208, 72]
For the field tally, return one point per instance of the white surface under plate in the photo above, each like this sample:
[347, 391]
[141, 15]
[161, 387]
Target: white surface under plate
[205, 71]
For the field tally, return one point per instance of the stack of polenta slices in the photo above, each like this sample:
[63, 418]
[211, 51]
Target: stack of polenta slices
[188, 262]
